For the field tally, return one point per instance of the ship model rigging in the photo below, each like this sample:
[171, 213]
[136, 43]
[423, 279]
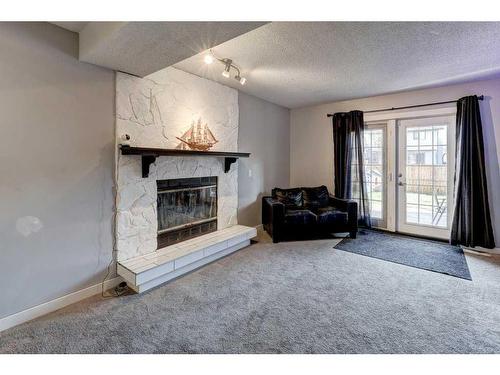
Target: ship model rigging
[197, 137]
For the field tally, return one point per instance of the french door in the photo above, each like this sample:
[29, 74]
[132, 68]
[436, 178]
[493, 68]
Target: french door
[426, 156]
[408, 167]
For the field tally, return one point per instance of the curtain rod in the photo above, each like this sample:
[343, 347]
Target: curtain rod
[481, 97]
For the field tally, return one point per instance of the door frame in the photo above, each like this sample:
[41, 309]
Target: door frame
[391, 119]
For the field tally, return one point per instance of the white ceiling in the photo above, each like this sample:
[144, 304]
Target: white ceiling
[142, 48]
[296, 64]
[71, 26]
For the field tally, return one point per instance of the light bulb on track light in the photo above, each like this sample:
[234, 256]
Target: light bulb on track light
[227, 68]
[241, 80]
[208, 59]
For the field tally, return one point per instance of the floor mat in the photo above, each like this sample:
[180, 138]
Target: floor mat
[419, 253]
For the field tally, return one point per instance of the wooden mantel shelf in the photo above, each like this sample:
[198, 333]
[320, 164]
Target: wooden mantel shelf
[149, 155]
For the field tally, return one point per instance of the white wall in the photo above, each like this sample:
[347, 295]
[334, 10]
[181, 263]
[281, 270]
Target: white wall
[56, 166]
[311, 145]
[265, 132]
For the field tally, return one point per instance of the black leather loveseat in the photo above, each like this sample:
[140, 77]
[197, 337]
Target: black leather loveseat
[307, 212]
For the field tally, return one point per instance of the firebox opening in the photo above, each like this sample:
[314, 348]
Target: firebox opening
[187, 208]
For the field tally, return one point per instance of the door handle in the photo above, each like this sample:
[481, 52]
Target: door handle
[401, 183]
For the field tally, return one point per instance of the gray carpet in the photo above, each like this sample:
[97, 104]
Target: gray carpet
[425, 254]
[292, 297]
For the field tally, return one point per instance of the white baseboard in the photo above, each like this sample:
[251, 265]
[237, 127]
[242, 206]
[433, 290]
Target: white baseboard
[481, 250]
[55, 304]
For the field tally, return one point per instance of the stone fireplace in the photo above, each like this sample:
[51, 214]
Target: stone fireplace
[187, 208]
[182, 212]
[157, 111]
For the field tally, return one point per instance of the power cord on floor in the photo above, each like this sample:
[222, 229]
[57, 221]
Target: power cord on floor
[122, 288]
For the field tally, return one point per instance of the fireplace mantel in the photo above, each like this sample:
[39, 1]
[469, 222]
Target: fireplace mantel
[149, 155]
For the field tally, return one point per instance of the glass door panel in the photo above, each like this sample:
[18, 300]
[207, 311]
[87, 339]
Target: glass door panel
[425, 179]
[374, 171]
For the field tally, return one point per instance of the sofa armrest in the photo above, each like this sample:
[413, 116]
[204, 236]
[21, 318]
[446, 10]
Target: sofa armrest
[273, 216]
[349, 206]
[272, 210]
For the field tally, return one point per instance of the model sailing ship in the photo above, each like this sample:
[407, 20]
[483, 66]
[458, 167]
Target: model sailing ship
[197, 137]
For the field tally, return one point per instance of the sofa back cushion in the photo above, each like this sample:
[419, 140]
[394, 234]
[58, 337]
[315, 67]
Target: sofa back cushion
[314, 197]
[289, 197]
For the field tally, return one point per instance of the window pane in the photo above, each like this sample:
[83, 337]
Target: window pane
[440, 155]
[376, 209]
[367, 138]
[354, 175]
[376, 156]
[412, 174]
[441, 135]
[440, 206]
[355, 190]
[412, 213]
[425, 195]
[412, 157]
[440, 175]
[425, 136]
[354, 157]
[367, 155]
[440, 217]
[377, 138]
[425, 215]
[411, 137]
[412, 194]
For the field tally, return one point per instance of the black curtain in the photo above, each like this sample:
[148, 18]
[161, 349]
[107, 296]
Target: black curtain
[348, 128]
[471, 219]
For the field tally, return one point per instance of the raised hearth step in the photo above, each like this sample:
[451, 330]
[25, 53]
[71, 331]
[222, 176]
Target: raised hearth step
[149, 270]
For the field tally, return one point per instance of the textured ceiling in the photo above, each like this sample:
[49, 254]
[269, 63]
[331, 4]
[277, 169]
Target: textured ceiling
[71, 26]
[142, 48]
[296, 64]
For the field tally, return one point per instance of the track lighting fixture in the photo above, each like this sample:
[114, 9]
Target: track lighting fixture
[228, 64]
[226, 73]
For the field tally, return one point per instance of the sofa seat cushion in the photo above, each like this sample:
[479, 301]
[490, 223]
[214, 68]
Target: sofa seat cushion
[289, 197]
[330, 215]
[299, 217]
[314, 197]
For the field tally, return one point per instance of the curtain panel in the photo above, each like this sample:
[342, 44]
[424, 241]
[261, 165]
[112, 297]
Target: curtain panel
[471, 219]
[348, 128]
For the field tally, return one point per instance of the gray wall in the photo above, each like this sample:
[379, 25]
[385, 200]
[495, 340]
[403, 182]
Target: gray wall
[311, 159]
[265, 132]
[56, 164]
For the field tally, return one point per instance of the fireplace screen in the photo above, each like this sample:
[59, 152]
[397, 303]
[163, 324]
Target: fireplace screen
[187, 208]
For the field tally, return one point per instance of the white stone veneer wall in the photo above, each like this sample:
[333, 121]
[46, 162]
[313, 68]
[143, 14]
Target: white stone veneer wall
[153, 111]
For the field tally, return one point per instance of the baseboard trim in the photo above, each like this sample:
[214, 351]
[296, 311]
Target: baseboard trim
[481, 250]
[55, 304]
[260, 228]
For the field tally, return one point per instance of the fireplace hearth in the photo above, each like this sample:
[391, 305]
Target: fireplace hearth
[187, 208]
